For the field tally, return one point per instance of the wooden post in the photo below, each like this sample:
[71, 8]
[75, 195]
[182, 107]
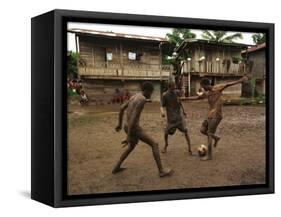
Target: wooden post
[93, 57]
[160, 60]
[77, 52]
[199, 63]
[76, 45]
[189, 83]
[121, 59]
[222, 61]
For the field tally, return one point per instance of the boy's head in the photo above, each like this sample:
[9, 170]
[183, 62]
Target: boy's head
[147, 89]
[206, 84]
[171, 85]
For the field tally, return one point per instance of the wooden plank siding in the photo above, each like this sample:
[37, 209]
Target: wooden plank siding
[93, 53]
[217, 61]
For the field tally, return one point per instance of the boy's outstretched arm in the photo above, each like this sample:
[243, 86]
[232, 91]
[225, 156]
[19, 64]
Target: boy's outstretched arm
[224, 86]
[120, 116]
[199, 96]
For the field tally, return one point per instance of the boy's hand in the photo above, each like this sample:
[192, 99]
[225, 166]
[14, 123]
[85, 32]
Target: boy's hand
[244, 78]
[118, 128]
[124, 143]
[128, 139]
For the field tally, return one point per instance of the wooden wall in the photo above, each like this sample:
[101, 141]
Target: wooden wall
[105, 89]
[211, 64]
[258, 60]
[93, 51]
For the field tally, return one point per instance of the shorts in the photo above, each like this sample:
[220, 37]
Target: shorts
[172, 127]
[210, 125]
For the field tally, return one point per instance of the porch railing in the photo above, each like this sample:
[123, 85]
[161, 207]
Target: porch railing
[127, 70]
[216, 67]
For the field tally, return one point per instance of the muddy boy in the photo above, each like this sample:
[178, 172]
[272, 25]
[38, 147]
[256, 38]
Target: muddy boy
[214, 117]
[135, 132]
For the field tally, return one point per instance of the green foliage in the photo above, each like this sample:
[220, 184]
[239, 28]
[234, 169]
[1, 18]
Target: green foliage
[70, 92]
[259, 38]
[253, 86]
[72, 64]
[221, 36]
[179, 35]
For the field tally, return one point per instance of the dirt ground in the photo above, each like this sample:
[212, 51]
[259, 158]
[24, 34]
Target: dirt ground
[94, 147]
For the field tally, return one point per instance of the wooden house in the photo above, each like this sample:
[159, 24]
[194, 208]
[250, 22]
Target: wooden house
[220, 62]
[256, 61]
[109, 61]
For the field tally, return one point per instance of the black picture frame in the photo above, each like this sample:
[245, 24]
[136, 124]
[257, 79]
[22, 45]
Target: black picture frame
[48, 147]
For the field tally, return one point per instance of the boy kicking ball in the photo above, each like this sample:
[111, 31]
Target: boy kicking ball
[133, 130]
[214, 117]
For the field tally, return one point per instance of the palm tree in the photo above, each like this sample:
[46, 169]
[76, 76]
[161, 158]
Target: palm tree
[179, 35]
[220, 36]
[259, 38]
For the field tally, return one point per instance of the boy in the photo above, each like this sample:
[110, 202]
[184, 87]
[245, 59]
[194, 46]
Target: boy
[175, 115]
[214, 117]
[83, 97]
[133, 130]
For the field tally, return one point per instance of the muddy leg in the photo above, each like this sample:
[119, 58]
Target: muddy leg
[156, 155]
[188, 142]
[213, 125]
[216, 139]
[166, 143]
[123, 157]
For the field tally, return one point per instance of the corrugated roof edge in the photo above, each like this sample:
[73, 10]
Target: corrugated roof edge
[114, 34]
[203, 41]
[255, 48]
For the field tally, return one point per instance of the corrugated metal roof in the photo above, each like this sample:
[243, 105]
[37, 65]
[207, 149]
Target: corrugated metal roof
[186, 42]
[255, 48]
[114, 34]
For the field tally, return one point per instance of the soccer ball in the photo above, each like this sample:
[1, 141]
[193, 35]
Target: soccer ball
[202, 150]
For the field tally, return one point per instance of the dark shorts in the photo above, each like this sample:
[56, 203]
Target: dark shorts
[210, 125]
[172, 127]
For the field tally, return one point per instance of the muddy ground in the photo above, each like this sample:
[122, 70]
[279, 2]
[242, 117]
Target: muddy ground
[94, 147]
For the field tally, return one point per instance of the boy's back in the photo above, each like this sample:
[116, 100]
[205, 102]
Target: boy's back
[135, 104]
[170, 101]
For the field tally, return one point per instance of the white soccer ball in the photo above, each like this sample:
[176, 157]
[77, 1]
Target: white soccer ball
[202, 150]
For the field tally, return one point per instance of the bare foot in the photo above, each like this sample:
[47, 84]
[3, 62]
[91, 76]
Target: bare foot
[117, 170]
[190, 152]
[164, 150]
[166, 172]
[205, 158]
[216, 141]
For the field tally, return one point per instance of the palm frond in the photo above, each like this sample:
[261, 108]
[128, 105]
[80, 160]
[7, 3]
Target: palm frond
[219, 35]
[208, 35]
[232, 37]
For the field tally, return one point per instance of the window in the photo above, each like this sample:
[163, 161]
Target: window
[109, 56]
[132, 56]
